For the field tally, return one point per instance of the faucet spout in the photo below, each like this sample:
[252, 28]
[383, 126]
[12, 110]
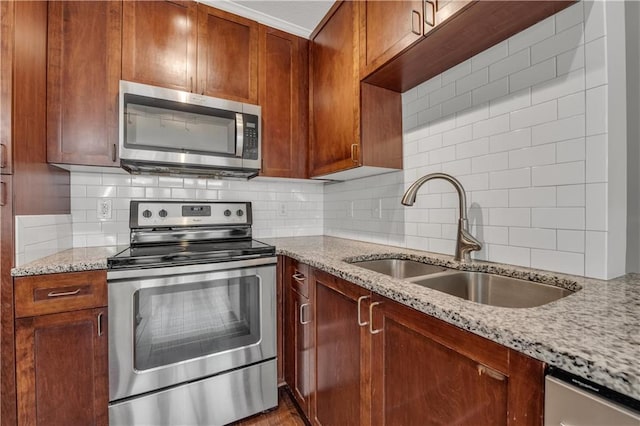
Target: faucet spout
[465, 242]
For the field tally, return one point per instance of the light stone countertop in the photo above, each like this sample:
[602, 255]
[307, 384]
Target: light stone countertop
[71, 260]
[593, 333]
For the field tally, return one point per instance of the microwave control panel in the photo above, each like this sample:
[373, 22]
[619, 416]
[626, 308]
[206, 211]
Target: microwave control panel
[250, 137]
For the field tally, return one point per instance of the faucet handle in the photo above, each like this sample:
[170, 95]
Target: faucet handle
[468, 243]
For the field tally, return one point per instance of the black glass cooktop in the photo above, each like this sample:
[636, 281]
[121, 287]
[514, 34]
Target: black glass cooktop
[162, 255]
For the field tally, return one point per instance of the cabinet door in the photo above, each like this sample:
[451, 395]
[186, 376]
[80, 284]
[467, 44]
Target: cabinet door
[298, 333]
[341, 358]
[159, 43]
[427, 372]
[6, 70]
[387, 28]
[7, 342]
[284, 98]
[62, 371]
[438, 11]
[83, 72]
[227, 55]
[335, 93]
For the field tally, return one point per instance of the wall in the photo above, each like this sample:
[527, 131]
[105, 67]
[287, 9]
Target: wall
[281, 208]
[523, 126]
[38, 236]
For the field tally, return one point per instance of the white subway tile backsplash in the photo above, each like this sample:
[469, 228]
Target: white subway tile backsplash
[492, 126]
[510, 217]
[429, 86]
[508, 254]
[493, 234]
[559, 130]
[474, 80]
[533, 75]
[517, 178]
[457, 104]
[595, 254]
[491, 198]
[537, 114]
[596, 106]
[566, 84]
[509, 65]
[533, 237]
[596, 211]
[490, 56]
[490, 92]
[457, 135]
[538, 32]
[557, 44]
[512, 102]
[594, 20]
[571, 105]
[571, 241]
[457, 72]
[471, 149]
[569, 17]
[571, 150]
[558, 174]
[596, 153]
[566, 262]
[471, 115]
[516, 139]
[596, 62]
[558, 218]
[570, 61]
[490, 162]
[535, 156]
[444, 93]
[532, 197]
[570, 195]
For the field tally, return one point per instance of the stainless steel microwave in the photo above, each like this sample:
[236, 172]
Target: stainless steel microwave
[171, 132]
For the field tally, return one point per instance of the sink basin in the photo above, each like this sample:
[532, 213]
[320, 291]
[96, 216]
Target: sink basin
[494, 290]
[400, 268]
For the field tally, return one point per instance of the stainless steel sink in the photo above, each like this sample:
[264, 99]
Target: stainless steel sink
[494, 290]
[400, 268]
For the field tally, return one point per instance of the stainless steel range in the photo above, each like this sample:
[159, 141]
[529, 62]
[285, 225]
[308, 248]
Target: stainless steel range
[192, 332]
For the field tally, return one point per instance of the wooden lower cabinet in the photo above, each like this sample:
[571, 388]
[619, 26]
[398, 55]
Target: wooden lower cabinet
[378, 362]
[298, 337]
[340, 393]
[61, 357]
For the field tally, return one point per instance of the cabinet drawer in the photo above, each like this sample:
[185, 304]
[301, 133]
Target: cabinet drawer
[299, 277]
[53, 293]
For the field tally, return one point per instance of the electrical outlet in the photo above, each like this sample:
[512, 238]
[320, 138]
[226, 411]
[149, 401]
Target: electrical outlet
[104, 209]
[282, 209]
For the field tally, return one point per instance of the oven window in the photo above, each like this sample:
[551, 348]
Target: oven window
[187, 321]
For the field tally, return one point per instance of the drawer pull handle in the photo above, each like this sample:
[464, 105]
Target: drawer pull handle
[371, 330]
[3, 155]
[430, 22]
[302, 321]
[299, 277]
[415, 14]
[354, 153]
[63, 293]
[360, 322]
[3, 194]
[490, 372]
[100, 324]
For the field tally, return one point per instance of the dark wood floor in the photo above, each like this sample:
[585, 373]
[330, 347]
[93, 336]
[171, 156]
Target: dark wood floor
[285, 415]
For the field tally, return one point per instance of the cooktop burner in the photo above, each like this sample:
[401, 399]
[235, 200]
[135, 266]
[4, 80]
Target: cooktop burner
[168, 233]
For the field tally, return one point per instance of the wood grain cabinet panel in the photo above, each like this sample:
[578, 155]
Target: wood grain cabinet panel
[83, 73]
[387, 28]
[340, 391]
[62, 369]
[159, 42]
[61, 349]
[6, 70]
[299, 348]
[352, 125]
[284, 98]
[227, 55]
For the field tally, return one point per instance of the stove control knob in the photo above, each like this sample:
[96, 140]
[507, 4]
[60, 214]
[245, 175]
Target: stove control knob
[147, 214]
[227, 212]
[163, 213]
[240, 213]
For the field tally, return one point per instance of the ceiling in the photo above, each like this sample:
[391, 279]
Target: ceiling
[298, 17]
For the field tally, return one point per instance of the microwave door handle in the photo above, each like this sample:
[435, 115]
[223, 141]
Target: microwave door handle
[239, 135]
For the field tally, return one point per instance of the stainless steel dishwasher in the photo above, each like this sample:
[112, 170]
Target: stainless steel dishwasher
[572, 401]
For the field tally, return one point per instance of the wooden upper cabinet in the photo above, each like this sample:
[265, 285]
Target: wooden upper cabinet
[227, 55]
[356, 130]
[83, 73]
[335, 93]
[6, 70]
[284, 98]
[387, 28]
[159, 40]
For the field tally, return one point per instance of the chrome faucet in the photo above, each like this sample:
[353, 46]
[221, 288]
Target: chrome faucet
[465, 242]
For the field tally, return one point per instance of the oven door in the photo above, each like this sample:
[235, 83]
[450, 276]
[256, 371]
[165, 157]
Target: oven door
[176, 324]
